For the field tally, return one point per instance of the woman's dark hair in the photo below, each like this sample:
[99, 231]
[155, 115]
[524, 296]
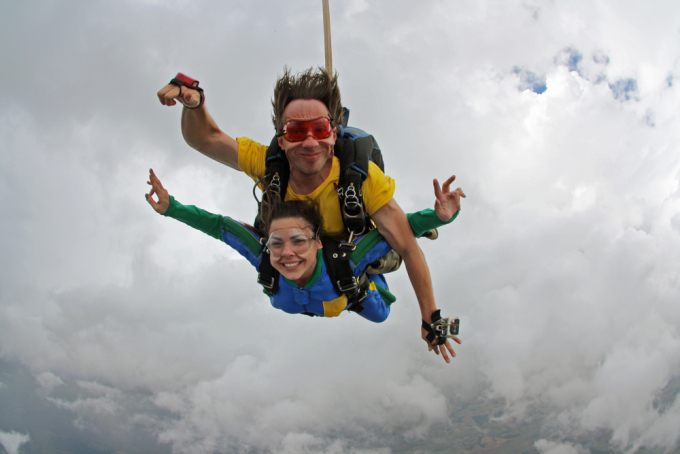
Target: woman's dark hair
[272, 208]
[305, 209]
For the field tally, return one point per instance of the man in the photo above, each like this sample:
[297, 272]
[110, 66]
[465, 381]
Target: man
[312, 100]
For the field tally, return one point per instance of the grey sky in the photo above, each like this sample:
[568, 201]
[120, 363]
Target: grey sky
[562, 265]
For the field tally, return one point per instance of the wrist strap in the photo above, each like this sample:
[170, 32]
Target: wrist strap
[181, 84]
[431, 336]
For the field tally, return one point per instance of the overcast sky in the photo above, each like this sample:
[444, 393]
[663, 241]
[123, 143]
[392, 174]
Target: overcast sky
[560, 119]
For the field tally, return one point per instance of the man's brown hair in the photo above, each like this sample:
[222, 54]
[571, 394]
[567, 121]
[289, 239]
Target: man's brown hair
[310, 84]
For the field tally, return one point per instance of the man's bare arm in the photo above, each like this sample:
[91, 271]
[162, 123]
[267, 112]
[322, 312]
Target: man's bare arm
[198, 128]
[394, 226]
[202, 133]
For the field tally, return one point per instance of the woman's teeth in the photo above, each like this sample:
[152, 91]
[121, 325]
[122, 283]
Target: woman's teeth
[290, 265]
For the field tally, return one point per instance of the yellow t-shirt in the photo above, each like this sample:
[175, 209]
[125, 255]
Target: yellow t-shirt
[378, 188]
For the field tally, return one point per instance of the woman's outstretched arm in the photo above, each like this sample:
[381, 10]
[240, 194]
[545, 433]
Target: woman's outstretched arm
[231, 232]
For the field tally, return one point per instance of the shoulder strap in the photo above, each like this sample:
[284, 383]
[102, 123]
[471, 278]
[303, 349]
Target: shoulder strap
[276, 179]
[337, 257]
[354, 149]
[276, 174]
[276, 163]
[267, 276]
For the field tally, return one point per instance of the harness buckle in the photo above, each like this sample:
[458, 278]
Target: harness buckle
[349, 244]
[352, 204]
[351, 194]
[359, 296]
[275, 184]
[266, 283]
[352, 209]
[348, 286]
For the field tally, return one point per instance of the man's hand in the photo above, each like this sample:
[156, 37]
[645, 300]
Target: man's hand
[447, 203]
[157, 188]
[437, 348]
[171, 93]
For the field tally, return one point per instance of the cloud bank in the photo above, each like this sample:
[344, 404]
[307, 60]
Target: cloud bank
[560, 122]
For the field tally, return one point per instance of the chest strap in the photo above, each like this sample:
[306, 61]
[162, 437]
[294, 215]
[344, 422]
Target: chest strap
[337, 257]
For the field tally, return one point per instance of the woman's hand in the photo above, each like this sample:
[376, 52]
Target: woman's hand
[447, 203]
[157, 188]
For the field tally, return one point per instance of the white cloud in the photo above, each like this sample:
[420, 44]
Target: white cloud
[12, 441]
[551, 447]
[48, 381]
[562, 265]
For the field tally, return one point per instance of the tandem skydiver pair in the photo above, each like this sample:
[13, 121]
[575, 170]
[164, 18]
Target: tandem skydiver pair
[312, 138]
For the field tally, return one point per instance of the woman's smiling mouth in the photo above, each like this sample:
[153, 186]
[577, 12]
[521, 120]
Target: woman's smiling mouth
[292, 264]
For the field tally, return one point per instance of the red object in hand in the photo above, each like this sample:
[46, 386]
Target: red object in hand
[185, 80]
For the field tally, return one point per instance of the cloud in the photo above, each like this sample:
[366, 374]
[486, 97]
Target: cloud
[12, 441]
[559, 122]
[550, 447]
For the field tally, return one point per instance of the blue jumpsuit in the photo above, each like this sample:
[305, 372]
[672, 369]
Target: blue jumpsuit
[318, 296]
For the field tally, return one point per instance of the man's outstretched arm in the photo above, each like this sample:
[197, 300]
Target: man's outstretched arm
[393, 225]
[198, 128]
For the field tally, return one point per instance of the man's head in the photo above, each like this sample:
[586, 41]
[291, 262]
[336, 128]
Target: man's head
[310, 84]
[299, 100]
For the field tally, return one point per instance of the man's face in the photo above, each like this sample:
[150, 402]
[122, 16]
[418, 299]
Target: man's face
[310, 156]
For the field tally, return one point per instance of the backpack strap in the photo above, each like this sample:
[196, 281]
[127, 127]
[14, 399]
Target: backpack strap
[354, 149]
[276, 174]
[337, 257]
[267, 277]
[277, 170]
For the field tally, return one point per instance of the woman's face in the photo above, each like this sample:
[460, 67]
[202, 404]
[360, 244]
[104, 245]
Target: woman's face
[293, 253]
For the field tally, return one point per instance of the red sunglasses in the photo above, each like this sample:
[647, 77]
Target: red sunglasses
[298, 131]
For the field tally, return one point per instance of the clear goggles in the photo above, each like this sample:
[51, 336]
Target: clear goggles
[297, 240]
[298, 131]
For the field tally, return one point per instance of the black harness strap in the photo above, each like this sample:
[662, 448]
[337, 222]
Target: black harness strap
[277, 173]
[354, 149]
[431, 335]
[337, 257]
[276, 163]
[350, 186]
[268, 277]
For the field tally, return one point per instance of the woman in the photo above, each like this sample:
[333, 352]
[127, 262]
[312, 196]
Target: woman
[293, 240]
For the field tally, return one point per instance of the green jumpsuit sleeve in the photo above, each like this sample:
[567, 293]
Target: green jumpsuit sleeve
[422, 221]
[206, 222]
